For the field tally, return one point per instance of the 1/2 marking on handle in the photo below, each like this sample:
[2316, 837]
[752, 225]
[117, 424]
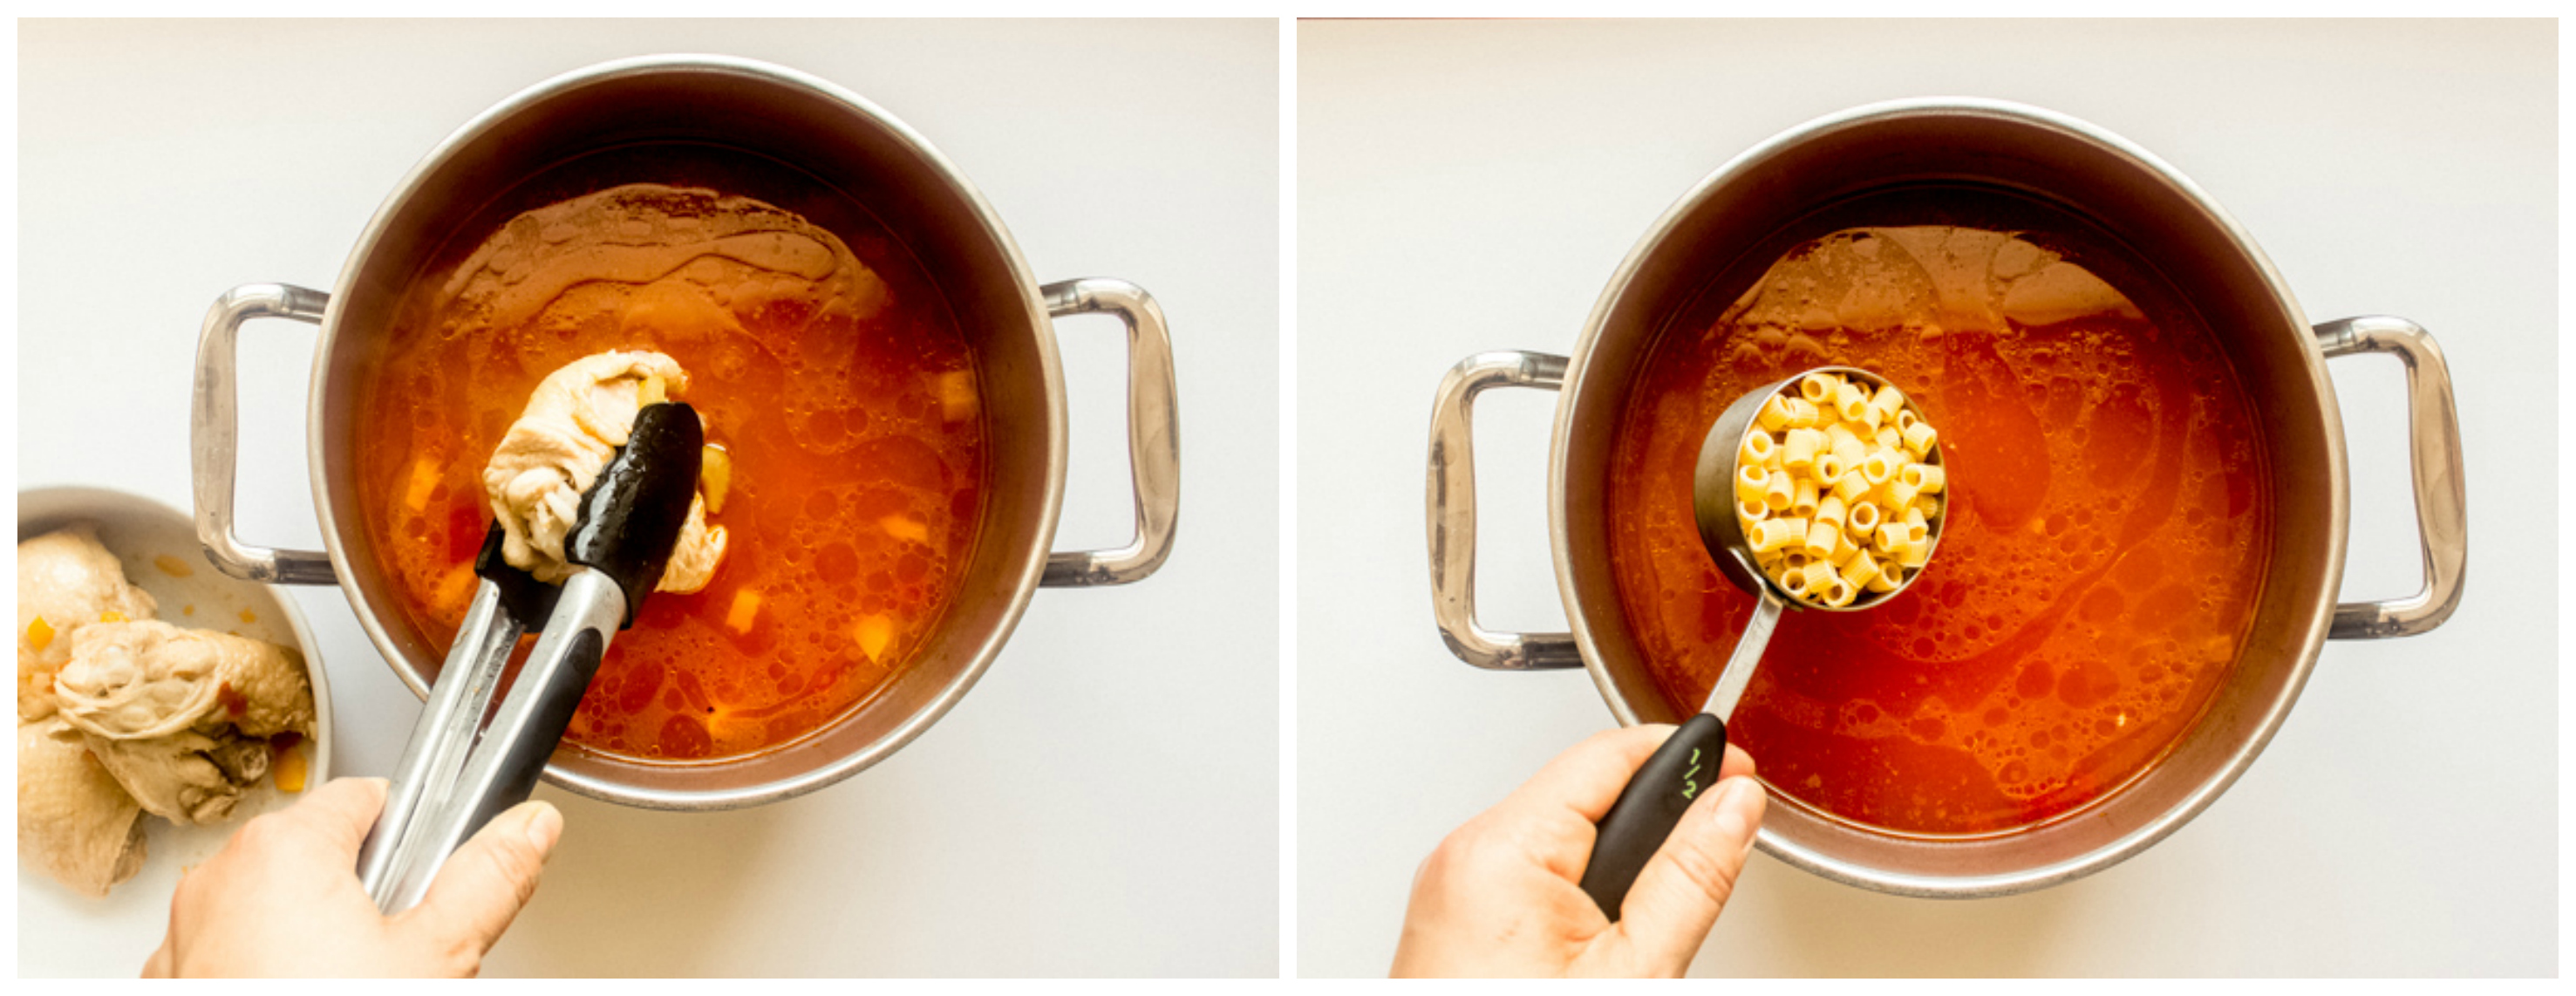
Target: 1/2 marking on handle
[1648, 809]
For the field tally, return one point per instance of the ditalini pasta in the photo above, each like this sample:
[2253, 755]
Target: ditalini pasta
[1919, 439]
[1839, 488]
[1751, 481]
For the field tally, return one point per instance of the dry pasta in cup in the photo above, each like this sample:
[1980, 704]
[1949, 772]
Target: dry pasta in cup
[1840, 489]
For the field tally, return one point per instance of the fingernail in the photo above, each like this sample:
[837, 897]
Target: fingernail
[545, 826]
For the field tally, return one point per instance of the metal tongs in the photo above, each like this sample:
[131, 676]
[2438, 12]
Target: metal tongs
[461, 768]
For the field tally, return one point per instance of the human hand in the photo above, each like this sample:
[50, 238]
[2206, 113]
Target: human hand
[1500, 895]
[283, 898]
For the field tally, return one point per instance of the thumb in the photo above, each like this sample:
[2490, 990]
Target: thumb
[1678, 894]
[486, 882]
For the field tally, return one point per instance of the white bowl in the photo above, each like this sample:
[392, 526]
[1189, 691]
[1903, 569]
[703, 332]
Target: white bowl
[142, 533]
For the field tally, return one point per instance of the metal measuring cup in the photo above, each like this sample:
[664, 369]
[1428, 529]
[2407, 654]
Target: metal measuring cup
[1662, 789]
[1722, 529]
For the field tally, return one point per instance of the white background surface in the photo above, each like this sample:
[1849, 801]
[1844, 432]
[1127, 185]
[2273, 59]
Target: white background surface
[1471, 186]
[1105, 802]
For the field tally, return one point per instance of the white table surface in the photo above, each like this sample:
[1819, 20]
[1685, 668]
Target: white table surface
[1105, 802]
[1471, 186]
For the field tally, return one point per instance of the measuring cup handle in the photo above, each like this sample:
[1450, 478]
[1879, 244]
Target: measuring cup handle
[1662, 788]
[1747, 657]
[1654, 801]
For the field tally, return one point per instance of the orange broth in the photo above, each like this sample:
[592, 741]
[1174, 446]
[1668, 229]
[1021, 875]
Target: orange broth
[2109, 513]
[847, 402]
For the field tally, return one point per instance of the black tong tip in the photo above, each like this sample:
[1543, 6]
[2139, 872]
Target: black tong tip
[630, 518]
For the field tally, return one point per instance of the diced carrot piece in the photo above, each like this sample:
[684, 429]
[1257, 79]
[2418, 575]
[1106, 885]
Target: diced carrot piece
[904, 527]
[715, 477]
[424, 479]
[874, 633]
[957, 401]
[40, 634]
[290, 771]
[111, 615]
[746, 609]
[454, 590]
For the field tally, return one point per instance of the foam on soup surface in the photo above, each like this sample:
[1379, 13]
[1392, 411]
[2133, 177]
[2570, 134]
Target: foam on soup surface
[823, 362]
[2109, 514]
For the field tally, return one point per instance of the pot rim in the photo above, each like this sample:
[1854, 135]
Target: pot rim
[1023, 588]
[1771, 838]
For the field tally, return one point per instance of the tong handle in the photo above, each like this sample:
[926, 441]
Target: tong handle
[459, 771]
[458, 701]
[523, 759]
[502, 766]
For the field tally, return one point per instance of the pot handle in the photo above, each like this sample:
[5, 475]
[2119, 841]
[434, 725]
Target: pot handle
[214, 429]
[1153, 434]
[1453, 515]
[2441, 503]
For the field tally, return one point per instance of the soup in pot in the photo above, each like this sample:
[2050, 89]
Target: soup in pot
[2109, 510]
[826, 367]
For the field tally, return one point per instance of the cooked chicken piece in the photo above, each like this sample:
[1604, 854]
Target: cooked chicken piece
[693, 561]
[66, 580]
[73, 820]
[139, 680]
[572, 427]
[186, 777]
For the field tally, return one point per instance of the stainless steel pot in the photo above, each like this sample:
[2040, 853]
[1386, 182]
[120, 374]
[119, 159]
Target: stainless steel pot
[834, 135]
[2281, 358]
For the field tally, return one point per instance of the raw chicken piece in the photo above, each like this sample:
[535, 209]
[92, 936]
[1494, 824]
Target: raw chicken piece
[138, 680]
[73, 820]
[186, 777]
[66, 581]
[572, 427]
